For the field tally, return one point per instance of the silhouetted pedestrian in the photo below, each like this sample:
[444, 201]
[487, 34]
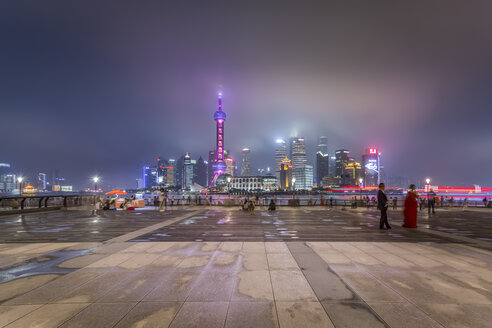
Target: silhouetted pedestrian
[383, 207]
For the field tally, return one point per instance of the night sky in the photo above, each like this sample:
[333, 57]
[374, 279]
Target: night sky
[104, 87]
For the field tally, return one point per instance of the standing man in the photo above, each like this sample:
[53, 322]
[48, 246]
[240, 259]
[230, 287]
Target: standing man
[383, 207]
[431, 201]
[161, 200]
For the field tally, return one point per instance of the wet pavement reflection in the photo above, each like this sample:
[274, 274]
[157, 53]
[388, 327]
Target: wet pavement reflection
[283, 225]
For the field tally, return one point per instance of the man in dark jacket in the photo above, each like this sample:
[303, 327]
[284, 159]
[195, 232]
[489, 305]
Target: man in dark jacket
[383, 207]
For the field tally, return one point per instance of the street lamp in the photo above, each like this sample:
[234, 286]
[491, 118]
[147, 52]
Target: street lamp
[228, 186]
[20, 179]
[360, 187]
[95, 179]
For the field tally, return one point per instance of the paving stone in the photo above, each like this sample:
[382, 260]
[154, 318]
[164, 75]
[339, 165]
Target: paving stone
[49, 315]
[291, 286]
[174, 286]
[369, 288]
[201, 315]
[99, 315]
[352, 314]
[459, 316]
[150, 314]
[403, 315]
[251, 315]
[302, 314]
[55, 289]
[255, 261]
[95, 288]
[281, 261]
[13, 288]
[253, 286]
[213, 286]
[9, 314]
[139, 286]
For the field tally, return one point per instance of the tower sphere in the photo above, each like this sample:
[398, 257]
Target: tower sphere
[219, 115]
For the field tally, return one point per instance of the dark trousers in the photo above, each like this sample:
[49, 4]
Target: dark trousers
[429, 205]
[383, 221]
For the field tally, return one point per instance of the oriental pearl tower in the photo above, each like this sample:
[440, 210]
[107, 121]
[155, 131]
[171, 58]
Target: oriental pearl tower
[219, 165]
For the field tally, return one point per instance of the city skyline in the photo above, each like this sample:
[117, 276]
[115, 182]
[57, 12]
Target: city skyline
[107, 94]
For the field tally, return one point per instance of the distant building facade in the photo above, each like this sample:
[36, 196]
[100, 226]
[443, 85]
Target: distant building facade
[351, 174]
[303, 177]
[201, 172]
[280, 154]
[246, 162]
[298, 149]
[42, 181]
[371, 168]
[341, 159]
[285, 174]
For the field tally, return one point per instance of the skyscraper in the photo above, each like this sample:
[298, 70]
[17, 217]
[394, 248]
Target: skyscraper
[370, 168]
[323, 144]
[285, 174]
[179, 172]
[322, 160]
[303, 177]
[187, 172]
[219, 164]
[8, 181]
[230, 166]
[210, 167]
[351, 174]
[201, 172]
[322, 166]
[298, 149]
[41, 181]
[341, 159]
[171, 166]
[246, 162]
[162, 169]
[280, 154]
[149, 177]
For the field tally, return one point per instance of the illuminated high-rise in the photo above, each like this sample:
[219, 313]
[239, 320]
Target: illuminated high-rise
[298, 150]
[286, 174]
[188, 172]
[322, 160]
[41, 181]
[341, 159]
[219, 164]
[246, 162]
[371, 167]
[280, 154]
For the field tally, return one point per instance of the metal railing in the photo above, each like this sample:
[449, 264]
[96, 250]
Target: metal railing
[22, 202]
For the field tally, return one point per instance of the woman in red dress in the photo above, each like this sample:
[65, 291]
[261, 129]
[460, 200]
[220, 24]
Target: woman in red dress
[410, 210]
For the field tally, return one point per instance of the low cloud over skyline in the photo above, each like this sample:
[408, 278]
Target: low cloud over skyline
[98, 88]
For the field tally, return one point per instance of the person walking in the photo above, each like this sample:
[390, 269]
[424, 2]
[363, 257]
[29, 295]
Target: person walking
[271, 207]
[161, 200]
[410, 209]
[395, 200]
[431, 201]
[383, 207]
[251, 206]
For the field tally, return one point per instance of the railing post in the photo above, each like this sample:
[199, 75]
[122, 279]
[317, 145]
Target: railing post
[22, 203]
[64, 201]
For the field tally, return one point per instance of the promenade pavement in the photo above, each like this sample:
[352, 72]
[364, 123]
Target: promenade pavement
[219, 267]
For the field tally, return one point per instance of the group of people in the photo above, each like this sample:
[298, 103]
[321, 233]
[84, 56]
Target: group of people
[248, 204]
[409, 211]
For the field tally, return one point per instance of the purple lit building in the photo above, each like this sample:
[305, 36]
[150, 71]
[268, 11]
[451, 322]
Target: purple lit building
[219, 164]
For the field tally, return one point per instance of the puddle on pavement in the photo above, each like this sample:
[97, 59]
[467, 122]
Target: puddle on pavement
[45, 264]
